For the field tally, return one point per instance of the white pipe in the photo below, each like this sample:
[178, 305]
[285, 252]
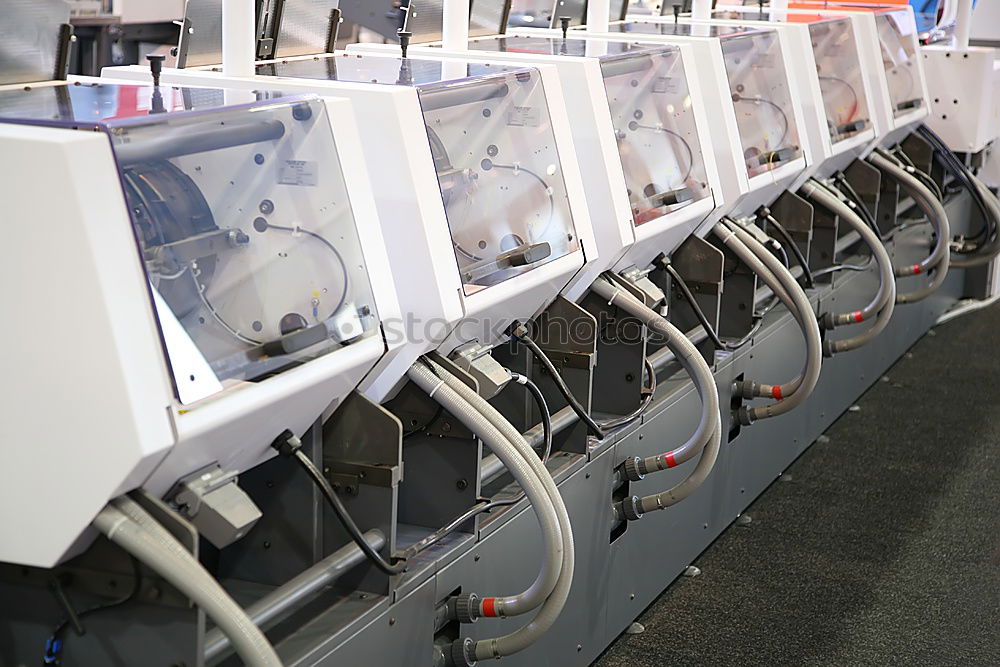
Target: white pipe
[963, 25]
[701, 9]
[455, 25]
[597, 15]
[238, 31]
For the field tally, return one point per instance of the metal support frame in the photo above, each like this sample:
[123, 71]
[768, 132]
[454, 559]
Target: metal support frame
[702, 266]
[355, 621]
[736, 305]
[796, 215]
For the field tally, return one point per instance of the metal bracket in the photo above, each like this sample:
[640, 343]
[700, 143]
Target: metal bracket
[888, 202]
[737, 295]
[701, 265]
[920, 152]
[184, 43]
[823, 249]
[866, 181]
[65, 46]
[796, 215]
[362, 439]
[331, 40]
[621, 347]
[568, 334]
[567, 331]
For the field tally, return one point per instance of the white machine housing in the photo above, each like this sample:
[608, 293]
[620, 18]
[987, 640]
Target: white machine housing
[140, 387]
[891, 48]
[409, 196]
[965, 95]
[829, 40]
[745, 187]
[623, 241]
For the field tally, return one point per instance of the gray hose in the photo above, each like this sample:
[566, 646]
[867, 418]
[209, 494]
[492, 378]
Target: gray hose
[127, 524]
[552, 543]
[690, 484]
[980, 257]
[525, 636]
[938, 260]
[691, 360]
[741, 242]
[756, 250]
[885, 299]
[833, 199]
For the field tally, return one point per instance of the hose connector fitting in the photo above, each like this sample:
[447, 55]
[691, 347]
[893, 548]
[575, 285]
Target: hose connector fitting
[632, 468]
[464, 608]
[829, 348]
[461, 653]
[629, 509]
[746, 389]
[287, 443]
[745, 416]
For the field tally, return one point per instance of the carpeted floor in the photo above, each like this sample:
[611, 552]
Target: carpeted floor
[883, 547]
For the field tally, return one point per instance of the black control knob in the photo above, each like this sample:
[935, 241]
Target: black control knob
[155, 66]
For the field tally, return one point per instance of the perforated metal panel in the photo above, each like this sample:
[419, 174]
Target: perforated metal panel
[29, 39]
[201, 36]
[546, 13]
[304, 27]
[486, 17]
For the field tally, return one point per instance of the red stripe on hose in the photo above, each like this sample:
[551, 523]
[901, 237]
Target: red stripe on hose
[858, 317]
[489, 607]
[776, 393]
[916, 269]
[669, 460]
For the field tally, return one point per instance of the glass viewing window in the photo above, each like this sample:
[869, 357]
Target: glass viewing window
[242, 220]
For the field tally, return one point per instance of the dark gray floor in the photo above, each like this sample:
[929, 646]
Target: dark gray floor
[882, 549]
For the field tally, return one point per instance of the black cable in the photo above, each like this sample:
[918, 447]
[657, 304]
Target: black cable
[425, 426]
[54, 644]
[453, 525]
[288, 445]
[859, 204]
[649, 392]
[921, 175]
[486, 506]
[799, 257]
[700, 314]
[961, 172]
[543, 408]
[544, 360]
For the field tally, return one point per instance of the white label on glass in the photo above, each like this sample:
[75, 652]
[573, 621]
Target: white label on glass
[666, 84]
[298, 172]
[523, 117]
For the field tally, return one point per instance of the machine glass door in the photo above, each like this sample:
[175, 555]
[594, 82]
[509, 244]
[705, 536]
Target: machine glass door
[896, 38]
[500, 175]
[245, 228]
[655, 127]
[838, 67]
[762, 101]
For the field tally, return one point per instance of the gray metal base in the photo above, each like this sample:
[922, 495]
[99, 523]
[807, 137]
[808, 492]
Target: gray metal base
[615, 580]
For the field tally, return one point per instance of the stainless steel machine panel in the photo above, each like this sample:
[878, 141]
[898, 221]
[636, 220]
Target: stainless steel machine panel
[29, 39]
